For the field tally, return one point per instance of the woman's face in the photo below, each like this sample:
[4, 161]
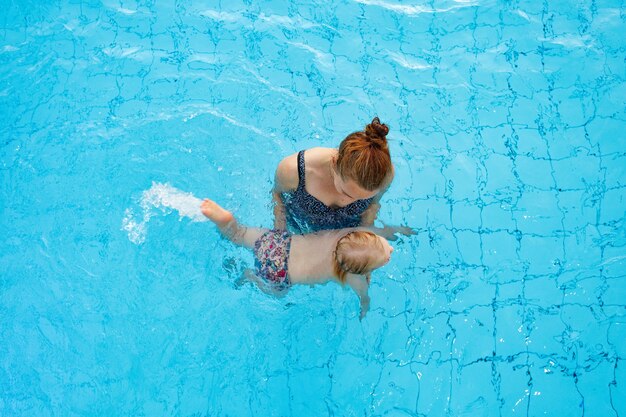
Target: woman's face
[350, 190]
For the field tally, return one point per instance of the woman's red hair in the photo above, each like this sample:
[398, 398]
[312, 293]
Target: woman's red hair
[364, 156]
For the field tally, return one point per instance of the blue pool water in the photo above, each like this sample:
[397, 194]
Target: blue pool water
[508, 129]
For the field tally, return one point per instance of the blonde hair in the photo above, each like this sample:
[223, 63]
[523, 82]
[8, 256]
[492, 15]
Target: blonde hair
[353, 254]
[364, 156]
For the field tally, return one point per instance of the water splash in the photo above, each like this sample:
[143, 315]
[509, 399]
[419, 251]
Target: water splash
[164, 198]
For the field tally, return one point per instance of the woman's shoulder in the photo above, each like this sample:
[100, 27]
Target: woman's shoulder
[286, 177]
[319, 155]
[317, 159]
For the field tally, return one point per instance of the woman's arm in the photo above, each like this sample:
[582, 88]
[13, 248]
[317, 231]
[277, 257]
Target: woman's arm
[280, 219]
[285, 180]
[389, 232]
[369, 215]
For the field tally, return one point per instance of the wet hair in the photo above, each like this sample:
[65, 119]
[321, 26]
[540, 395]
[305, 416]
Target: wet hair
[364, 156]
[353, 254]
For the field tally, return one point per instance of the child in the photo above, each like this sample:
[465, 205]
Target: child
[346, 256]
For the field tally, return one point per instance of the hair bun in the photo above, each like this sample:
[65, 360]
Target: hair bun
[376, 129]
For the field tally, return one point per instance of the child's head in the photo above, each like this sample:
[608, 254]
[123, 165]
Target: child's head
[363, 160]
[360, 252]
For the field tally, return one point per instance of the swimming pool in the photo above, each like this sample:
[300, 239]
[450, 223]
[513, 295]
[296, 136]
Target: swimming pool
[507, 126]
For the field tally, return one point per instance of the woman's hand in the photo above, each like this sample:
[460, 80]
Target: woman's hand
[390, 232]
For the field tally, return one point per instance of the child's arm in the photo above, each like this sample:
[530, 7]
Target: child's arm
[360, 285]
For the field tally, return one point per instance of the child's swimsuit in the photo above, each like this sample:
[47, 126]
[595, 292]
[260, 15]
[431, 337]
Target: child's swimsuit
[271, 251]
[307, 214]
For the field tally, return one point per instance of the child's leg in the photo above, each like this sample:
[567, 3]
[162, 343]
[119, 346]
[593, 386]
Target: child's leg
[228, 226]
[249, 275]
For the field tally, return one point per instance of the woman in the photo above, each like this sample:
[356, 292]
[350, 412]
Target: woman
[326, 188]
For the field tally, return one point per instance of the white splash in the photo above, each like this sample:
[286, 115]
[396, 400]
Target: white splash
[165, 198]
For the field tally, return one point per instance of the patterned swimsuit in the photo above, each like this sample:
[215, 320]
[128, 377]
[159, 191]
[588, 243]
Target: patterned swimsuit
[271, 252]
[307, 214]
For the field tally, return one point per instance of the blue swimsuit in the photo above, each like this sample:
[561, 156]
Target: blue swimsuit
[307, 214]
